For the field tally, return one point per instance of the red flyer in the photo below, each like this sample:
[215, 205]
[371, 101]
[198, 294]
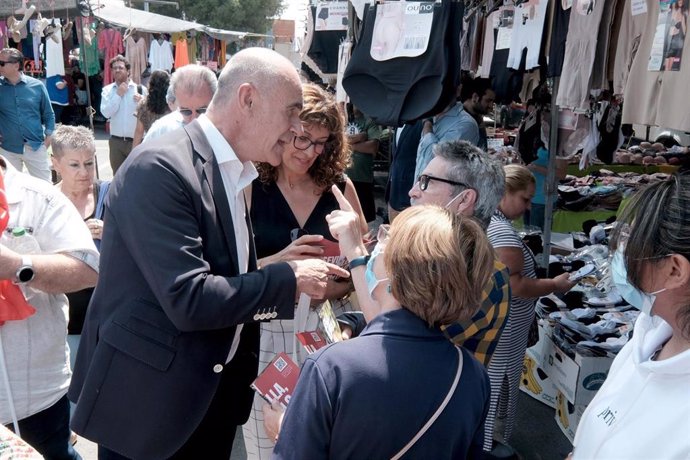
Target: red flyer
[277, 382]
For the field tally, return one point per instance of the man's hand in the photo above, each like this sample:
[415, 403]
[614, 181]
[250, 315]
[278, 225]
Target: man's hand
[137, 97]
[428, 126]
[273, 419]
[122, 89]
[345, 227]
[312, 276]
[46, 141]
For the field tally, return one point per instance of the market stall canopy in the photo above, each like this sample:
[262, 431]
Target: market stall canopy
[117, 13]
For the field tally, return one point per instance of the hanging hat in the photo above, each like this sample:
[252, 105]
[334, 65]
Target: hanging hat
[21, 24]
[67, 30]
[40, 25]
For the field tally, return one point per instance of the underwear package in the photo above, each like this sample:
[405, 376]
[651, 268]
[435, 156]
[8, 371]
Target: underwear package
[405, 89]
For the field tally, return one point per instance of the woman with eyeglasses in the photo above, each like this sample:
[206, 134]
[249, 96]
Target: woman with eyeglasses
[401, 389]
[289, 204]
[506, 365]
[643, 409]
[153, 106]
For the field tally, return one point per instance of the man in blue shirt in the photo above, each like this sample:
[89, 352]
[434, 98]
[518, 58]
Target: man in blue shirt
[26, 117]
[453, 124]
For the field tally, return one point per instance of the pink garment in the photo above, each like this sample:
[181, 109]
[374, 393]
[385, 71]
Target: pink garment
[110, 42]
[136, 52]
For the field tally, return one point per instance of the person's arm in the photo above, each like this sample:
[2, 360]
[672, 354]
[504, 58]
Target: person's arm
[529, 287]
[47, 115]
[370, 146]
[110, 101]
[53, 273]
[138, 134]
[345, 227]
[163, 237]
[306, 427]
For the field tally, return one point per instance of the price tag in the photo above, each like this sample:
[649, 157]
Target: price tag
[638, 7]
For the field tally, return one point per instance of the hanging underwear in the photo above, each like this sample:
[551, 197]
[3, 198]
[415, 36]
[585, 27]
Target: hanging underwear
[405, 89]
[561, 19]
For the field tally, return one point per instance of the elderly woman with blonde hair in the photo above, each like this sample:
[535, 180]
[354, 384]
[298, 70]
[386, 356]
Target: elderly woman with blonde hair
[74, 159]
[398, 388]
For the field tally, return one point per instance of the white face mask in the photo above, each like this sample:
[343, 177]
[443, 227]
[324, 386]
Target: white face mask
[643, 301]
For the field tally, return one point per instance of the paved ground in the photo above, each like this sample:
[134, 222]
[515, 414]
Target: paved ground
[536, 435]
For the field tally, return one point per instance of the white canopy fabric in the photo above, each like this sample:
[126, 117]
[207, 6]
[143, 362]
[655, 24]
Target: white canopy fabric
[118, 13]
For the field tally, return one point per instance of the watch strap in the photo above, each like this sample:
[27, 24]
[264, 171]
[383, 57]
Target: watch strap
[358, 261]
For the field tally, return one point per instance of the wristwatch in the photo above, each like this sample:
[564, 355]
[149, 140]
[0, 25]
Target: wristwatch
[357, 261]
[25, 272]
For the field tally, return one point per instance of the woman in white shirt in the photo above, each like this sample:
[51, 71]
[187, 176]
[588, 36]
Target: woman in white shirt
[643, 409]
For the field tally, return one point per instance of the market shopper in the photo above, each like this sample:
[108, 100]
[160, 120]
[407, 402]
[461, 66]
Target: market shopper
[153, 106]
[478, 100]
[53, 254]
[353, 398]
[467, 181]
[506, 366]
[452, 124]
[363, 136]
[26, 117]
[289, 204]
[170, 342]
[74, 160]
[643, 409]
[192, 86]
[119, 104]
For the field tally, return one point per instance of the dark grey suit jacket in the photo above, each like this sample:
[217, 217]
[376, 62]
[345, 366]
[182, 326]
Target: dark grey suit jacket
[163, 315]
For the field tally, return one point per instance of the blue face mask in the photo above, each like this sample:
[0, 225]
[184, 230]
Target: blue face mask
[641, 300]
[370, 276]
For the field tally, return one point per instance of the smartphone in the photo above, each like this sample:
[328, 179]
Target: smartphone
[583, 272]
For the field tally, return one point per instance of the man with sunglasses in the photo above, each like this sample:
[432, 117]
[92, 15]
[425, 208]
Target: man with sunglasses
[26, 117]
[119, 104]
[192, 87]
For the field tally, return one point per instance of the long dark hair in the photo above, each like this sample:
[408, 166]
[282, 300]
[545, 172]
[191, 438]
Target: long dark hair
[158, 87]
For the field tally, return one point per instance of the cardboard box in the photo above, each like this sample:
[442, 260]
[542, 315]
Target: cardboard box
[535, 381]
[542, 349]
[568, 416]
[578, 379]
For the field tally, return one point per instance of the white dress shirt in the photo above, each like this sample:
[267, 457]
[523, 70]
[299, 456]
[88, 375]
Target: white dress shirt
[120, 109]
[236, 177]
[164, 124]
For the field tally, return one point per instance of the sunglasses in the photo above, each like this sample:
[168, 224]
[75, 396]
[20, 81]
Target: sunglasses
[424, 180]
[2, 63]
[189, 112]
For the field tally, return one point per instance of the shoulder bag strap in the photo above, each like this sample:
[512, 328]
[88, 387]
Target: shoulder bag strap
[438, 412]
[100, 202]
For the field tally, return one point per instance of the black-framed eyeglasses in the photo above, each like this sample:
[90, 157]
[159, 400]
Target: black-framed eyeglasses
[424, 180]
[2, 63]
[189, 112]
[303, 143]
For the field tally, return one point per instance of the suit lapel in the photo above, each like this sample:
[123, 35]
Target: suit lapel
[212, 179]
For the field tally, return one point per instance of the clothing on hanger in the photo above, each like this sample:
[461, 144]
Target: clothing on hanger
[110, 43]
